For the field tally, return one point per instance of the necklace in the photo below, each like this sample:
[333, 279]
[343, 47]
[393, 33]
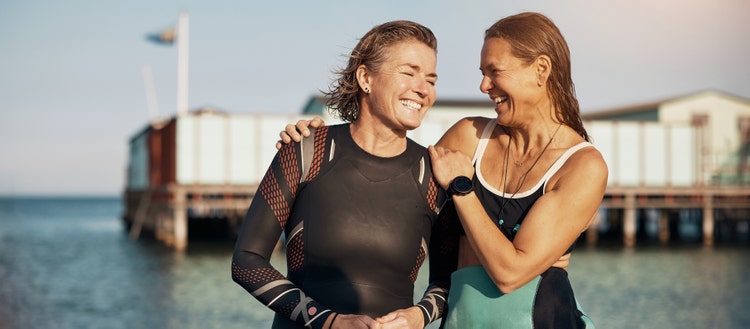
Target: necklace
[500, 220]
[517, 163]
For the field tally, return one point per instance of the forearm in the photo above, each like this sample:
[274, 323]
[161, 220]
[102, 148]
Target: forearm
[508, 266]
[443, 253]
[271, 288]
[265, 220]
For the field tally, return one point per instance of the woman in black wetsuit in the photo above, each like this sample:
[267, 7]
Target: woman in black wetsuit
[356, 202]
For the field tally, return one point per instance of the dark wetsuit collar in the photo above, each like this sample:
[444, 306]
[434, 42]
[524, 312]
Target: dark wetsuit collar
[400, 163]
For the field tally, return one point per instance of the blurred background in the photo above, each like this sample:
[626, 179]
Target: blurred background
[81, 80]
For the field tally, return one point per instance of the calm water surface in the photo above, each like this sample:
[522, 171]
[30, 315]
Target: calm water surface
[67, 263]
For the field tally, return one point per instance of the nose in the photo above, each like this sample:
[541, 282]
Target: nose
[485, 85]
[422, 88]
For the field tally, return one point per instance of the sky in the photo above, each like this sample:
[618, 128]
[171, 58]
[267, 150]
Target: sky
[72, 88]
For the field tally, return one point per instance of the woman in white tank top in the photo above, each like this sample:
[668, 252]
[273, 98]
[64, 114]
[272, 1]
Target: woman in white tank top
[537, 184]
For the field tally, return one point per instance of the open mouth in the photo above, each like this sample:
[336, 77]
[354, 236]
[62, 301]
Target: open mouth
[412, 105]
[500, 99]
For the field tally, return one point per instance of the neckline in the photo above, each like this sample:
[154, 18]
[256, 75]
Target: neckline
[479, 154]
[359, 151]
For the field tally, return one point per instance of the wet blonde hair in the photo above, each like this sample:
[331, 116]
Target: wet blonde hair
[371, 51]
[531, 35]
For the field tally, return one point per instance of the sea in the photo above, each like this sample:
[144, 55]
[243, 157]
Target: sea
[69, 263]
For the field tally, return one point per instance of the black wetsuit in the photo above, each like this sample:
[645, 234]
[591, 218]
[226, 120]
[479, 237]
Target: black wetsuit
[357, 230]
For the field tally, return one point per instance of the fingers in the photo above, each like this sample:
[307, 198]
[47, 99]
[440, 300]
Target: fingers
[293, 132]
[563, 262]
[286, 136]
[387, 317]
[436, 151]
[301, 127]
[393, 320]
[317, 122]
[355, 321]
[404, 318]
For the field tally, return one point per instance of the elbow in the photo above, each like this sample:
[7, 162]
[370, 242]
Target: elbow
[236, 272]
[508, 284]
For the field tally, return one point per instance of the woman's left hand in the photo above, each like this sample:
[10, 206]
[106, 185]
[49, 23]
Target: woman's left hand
[406, 318]
[448, 164]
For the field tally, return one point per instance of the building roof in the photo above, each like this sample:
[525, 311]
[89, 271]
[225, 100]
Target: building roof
[316, 104]
[650, 111]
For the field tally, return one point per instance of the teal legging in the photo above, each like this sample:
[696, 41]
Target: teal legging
[475, 302]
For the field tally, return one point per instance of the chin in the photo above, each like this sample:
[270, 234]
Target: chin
[410, 127]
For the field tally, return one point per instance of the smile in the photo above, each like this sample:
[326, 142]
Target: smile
[412, 105]
[500, 99]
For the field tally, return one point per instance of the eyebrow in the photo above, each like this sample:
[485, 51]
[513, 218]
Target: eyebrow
[490, 66]
[417, 67]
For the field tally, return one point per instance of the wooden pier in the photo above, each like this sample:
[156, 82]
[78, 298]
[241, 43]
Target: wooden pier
[164, 213]
[716, 204]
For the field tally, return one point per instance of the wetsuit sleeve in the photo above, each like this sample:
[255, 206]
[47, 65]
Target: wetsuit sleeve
[260, 231]
[443, 252]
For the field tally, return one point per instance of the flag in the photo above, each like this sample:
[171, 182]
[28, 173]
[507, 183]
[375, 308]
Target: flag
[165, 37]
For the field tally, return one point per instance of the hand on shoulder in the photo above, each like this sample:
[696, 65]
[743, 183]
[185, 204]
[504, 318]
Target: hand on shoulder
[464, 135]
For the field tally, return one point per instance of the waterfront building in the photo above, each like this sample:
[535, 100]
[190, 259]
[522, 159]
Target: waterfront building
[677, 167]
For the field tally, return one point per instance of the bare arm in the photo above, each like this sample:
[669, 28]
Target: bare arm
[546, 234]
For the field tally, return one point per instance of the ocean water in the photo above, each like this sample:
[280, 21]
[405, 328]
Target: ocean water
[68, 263]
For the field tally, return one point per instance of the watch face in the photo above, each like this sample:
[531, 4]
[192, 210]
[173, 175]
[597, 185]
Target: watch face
[462, 184]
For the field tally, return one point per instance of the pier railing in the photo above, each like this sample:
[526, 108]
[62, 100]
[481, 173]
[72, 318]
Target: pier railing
[716, 203]
[165, 211]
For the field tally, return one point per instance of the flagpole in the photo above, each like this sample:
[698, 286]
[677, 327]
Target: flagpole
[182, 40]
[148, 82]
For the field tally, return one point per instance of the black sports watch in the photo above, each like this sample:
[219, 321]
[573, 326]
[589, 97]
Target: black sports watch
[460, 185]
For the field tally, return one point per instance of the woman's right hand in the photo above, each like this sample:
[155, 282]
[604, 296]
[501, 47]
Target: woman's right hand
[347, 321]
[295, 132]
[563, 262]
[448, 164]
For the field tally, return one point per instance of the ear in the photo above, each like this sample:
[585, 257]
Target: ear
[543, 69]
[363, 78]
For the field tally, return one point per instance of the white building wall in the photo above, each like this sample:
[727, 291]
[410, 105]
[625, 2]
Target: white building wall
[646, 153]
[217, 149]
[237, 149]
[721, 135]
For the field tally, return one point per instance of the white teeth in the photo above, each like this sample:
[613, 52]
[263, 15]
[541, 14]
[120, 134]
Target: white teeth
[500, 99]
[411, 104]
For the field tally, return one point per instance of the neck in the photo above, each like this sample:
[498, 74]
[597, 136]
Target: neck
[527, 141]
[378, 139]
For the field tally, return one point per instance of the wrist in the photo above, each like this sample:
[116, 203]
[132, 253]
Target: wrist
[460, 185]
[333, 318]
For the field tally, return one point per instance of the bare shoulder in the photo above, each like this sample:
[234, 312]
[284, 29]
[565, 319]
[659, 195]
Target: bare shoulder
[464, 135]
[591, 159]
[586, 164]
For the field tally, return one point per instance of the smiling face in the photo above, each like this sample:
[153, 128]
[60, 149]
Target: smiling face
[403, 88]
[513, 85]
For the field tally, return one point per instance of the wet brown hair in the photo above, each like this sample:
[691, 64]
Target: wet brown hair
[531, 35]
[371, 51]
